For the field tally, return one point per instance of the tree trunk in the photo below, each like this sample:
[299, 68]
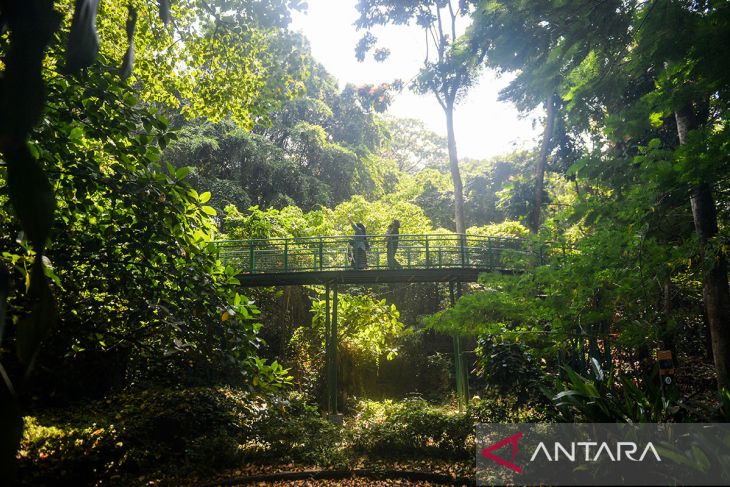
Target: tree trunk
[534, 222]
[715, 289]
[454, 166]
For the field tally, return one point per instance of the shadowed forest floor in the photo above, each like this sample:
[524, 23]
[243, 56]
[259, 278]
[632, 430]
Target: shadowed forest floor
[223, 436]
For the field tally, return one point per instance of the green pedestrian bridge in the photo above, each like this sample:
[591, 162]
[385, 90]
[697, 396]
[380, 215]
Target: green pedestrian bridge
[329, 261]
[444, 257]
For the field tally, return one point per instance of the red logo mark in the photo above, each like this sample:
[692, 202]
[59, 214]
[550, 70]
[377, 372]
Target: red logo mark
[487, 452]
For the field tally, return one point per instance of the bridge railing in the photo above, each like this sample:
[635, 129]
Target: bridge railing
[333, 253]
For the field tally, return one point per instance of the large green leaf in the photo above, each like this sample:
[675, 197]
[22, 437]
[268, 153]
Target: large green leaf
[31, 196]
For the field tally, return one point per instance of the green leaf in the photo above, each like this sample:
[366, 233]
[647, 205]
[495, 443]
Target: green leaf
[31, 196]
[34, 152]
[162, 122]
[209, 210]
[656, 119]
[703, 463]
[674, 456]
[564, 394]
[205, 197]
[183, 172]
[76, 133]
[597, 370]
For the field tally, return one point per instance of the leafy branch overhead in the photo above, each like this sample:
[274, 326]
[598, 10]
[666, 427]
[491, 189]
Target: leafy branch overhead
[192, 38]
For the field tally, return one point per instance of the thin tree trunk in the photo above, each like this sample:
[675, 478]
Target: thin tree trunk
[461, 377]
[715, 289]
[455, 173]
[534, 222]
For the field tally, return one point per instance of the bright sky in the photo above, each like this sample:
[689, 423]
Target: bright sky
[484, 126]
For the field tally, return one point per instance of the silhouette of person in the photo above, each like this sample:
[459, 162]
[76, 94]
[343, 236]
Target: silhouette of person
[360, 246]
[391, 243]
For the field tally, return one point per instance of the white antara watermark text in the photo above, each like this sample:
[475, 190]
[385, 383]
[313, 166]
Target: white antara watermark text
[622, 449]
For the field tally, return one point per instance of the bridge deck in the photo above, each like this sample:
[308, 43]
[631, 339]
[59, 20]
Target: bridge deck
[333, 259]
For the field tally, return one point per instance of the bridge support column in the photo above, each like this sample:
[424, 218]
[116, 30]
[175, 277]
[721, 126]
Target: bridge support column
[327, 331]
[332, 343]
[460, 371]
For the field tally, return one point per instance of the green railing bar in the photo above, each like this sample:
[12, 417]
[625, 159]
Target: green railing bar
[321, 253]
[489, 253]
[286, 256]
[428, 263]
[462, 239]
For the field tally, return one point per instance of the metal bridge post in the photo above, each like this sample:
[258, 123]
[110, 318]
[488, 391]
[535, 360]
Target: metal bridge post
[490, 251]
[321, 255]
[428, 256]
[458, 364]
[464, 369]
[462, 248]
[332, 371]
[459, 372]
[286, 255]
[328, 342]
[251, 258]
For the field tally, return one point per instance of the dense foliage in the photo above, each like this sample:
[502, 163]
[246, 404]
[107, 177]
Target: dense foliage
[318, 150]
[158, 432]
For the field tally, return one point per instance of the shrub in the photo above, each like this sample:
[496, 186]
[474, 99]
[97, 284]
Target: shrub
[137, 432]
[510, 368]
[608, 397]
[412, 426]
[289, 429]
[174, 430]
[497, 408]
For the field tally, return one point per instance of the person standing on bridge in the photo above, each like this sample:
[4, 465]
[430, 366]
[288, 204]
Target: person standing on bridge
[391, 244]
[360, 245]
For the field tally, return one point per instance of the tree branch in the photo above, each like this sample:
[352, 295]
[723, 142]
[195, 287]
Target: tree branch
[425, 30]
[433, 36]
[442, 42]
[438, 95]
[453, 23]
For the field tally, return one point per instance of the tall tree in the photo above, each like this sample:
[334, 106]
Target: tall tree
[541, 41]
[448, 68]
[686, 86]
[694, 82]
[534, 219]
[626, 74]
